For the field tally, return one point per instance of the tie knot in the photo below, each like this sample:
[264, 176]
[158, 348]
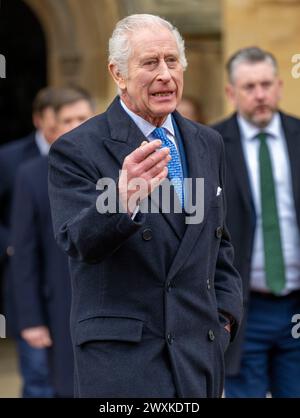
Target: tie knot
[262, 136]
[160, 133]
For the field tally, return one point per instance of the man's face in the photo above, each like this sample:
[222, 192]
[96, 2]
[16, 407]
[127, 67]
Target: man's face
[46, 123]
[255, 92]
[153, 86]
[72, 115]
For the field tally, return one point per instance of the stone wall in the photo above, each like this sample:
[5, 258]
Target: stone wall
[270, 24]
[77, 34]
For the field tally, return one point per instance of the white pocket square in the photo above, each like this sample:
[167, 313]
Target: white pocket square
[219, 190]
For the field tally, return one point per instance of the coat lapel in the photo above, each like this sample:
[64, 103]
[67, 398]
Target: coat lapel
[291, 129]
[198, 167]
[125, 136]
[236, 161]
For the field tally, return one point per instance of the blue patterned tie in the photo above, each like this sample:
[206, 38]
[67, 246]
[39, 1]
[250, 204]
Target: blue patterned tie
[175, 172]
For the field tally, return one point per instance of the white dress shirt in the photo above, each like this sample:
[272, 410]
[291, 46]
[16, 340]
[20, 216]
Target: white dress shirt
[41, 142]
[147, 128]
[284, 197]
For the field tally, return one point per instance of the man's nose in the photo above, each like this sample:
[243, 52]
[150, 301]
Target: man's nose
[164, 72]
[260, 92]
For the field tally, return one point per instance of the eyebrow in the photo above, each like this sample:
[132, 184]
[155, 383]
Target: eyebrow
[155, 54]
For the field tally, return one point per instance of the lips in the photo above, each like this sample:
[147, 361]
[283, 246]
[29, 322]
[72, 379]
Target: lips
[262, 108]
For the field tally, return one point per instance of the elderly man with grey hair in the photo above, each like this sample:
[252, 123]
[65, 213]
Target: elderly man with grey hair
[156, 299]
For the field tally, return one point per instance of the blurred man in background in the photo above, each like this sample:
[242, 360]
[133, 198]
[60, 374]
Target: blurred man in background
[263, 216]
[40, 269]
[33, 363]
[21, 150]
[73, 106]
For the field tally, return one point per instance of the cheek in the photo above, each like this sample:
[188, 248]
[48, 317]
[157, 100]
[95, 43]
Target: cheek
[275, 97]
[138, 87]
[247, 103]
[180, 84]
[238, 101]
[179, 80]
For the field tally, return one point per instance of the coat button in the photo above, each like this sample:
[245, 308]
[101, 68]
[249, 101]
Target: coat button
[219, 232]
[208, 284]
[147, 234]
[170, 338]
[211, 335]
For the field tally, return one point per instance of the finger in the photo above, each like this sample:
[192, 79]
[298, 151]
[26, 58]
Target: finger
[152, 160]
[47, 341]
[39, 343]
[158, 167]
[156, 181]
[45, 337]
[142, 152]
[144, 143]
[162, 175]
[33, 342]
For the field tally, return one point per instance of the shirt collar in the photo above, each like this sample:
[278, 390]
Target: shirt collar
[146, 127]
[41, 142]
[250, 131]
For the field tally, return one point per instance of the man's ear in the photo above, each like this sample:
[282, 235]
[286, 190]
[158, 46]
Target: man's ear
[36, 120]
[229, 90]
[280, 88]
[116, 75]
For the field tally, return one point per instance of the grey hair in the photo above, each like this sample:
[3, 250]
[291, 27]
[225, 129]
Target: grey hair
[250, 55]
[119, 43]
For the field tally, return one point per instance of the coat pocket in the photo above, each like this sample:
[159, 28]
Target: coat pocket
[109, 328]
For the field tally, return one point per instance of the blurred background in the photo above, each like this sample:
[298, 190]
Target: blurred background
[61, 42]
[64, 42]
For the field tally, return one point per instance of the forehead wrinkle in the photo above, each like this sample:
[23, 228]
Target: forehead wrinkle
[152, 54]
[253, 72]
[161, 38]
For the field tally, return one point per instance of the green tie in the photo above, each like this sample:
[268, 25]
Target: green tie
[274, 263]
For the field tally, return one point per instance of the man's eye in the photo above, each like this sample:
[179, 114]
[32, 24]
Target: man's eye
[150, 63]
[171, 62]
[266, 84]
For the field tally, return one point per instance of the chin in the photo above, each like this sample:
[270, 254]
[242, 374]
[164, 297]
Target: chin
[165, 110]
[262, 120]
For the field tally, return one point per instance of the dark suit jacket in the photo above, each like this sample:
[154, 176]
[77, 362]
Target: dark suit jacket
[241, 217]
[146, 294]
[11, 156]
[41, 281]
